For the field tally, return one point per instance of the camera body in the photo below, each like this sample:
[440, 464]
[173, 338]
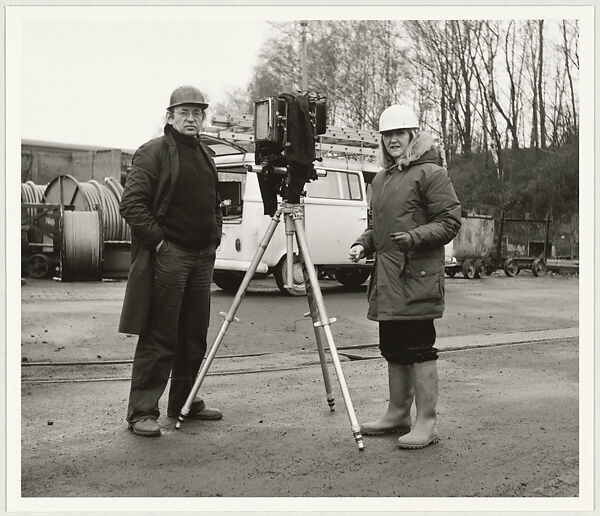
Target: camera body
[285, 131]
[272, 134]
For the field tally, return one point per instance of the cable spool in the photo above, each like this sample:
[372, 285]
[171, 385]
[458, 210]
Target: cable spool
[110, 210]
[65, 190]
[85, 196]
[82, 245]
[114, 186]
[116, 189]
[32, 193]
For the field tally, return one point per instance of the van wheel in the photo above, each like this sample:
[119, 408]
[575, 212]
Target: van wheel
[351, 278]
[280, 273]
[229, 281]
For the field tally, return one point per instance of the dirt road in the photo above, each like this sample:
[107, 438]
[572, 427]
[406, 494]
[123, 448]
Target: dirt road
[508, 413]
[69, 321]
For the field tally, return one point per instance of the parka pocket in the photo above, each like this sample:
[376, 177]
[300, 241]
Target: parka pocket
[423, 282]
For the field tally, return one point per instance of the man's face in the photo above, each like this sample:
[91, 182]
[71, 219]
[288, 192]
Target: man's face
[396, 142]
[186, 119]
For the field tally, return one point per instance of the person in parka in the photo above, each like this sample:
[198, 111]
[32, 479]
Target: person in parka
[171, 203]
[415, 212]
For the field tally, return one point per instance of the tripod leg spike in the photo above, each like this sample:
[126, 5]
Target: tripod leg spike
[359, 440]
[319, 308]
[331, 402]
[180, 420]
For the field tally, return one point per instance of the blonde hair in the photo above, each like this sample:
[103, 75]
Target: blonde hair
[384, 159]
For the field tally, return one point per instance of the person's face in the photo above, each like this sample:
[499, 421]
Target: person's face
[396, 141]
[186, 119]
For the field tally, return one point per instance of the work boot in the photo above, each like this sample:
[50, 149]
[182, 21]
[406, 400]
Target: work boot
[397, 417]
[147, 427]
[199, 410]
[424, 432]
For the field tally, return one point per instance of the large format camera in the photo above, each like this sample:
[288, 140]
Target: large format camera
[285, 130]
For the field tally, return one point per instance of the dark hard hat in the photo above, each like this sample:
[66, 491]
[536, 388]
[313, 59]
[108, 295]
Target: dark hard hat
[187, 95]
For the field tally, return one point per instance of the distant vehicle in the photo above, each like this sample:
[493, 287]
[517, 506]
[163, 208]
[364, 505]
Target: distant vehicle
[335, 206]
[481, 247]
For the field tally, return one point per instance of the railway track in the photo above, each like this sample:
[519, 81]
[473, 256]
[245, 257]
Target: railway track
[224, 365]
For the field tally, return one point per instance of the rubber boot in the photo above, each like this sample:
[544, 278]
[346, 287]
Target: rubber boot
[397, 417]
[424, 432]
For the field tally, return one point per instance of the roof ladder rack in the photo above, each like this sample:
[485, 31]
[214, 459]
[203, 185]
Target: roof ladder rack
[343, 141]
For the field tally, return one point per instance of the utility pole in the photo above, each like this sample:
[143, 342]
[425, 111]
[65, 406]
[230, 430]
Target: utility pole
[303, 25]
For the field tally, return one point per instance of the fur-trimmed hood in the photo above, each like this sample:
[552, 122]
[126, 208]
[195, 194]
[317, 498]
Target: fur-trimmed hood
[420, 149]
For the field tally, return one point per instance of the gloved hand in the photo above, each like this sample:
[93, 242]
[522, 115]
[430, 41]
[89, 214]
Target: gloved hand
[403, 240]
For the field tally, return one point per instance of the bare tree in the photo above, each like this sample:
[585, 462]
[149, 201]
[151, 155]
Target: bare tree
[567, 42]
[465, 37]
[541, 106]
[448, 81]
[487, 49]
[429, 64]
[472, 83]
[532, 65]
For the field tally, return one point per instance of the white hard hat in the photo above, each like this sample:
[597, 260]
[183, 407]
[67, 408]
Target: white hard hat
[398, 117]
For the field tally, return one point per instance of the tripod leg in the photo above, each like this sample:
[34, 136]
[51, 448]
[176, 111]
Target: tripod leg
[289, 244]
[319, 335]
[325, 324]
[229, 317]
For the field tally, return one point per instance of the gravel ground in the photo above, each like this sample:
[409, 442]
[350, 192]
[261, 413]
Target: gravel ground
[508, 414]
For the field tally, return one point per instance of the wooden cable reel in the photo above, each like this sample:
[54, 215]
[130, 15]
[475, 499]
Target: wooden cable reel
[82, 245]
[85, 196]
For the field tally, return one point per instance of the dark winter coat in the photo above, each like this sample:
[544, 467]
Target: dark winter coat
[418, 199]
[146, 197]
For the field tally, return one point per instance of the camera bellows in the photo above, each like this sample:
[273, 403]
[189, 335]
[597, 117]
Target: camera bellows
[300, 132]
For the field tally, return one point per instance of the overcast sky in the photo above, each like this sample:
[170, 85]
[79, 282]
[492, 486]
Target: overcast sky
[103, 75]
[107, 83]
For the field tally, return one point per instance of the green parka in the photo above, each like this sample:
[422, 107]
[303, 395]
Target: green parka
[418, 199]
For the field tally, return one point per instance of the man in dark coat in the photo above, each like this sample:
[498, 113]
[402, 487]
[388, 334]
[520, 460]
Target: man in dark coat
[172, 205]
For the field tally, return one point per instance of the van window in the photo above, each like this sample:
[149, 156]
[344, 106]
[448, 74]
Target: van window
[336, 185]
[231, 188]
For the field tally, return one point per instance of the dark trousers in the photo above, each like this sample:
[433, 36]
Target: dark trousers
[407, 342]
[175, 339]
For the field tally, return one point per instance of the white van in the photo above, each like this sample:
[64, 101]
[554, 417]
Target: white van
[335, 206]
